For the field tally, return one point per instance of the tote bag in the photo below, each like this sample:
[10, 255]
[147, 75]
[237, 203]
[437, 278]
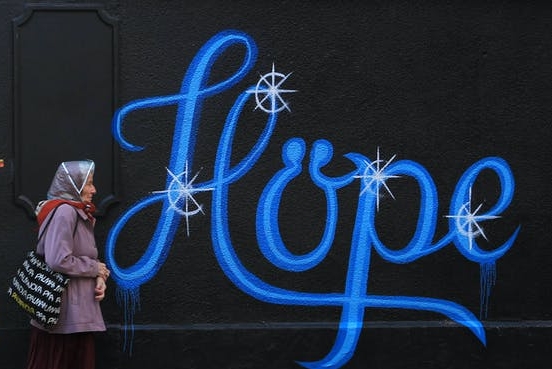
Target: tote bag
[37, 289]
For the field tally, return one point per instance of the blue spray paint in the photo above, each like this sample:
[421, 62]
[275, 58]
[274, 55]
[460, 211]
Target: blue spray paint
[354, 300]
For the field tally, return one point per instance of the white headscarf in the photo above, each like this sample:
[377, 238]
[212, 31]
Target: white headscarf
[69, 180]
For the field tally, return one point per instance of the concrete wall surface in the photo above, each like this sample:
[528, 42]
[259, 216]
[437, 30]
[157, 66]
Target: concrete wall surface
[287, 184]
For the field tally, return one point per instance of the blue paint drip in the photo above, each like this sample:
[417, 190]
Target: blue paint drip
[129, 299]
[487, 280]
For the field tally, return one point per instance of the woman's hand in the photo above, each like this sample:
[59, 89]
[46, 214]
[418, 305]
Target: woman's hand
[103, 271]
[99, 291]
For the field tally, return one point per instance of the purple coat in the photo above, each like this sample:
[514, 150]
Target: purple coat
[77, 257]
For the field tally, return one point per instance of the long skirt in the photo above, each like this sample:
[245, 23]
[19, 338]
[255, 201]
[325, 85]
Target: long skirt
[61, 351]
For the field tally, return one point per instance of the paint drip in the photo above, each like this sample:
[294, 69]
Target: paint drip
[129, 300]
[487, 282]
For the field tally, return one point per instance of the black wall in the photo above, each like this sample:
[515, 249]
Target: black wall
[443, 84]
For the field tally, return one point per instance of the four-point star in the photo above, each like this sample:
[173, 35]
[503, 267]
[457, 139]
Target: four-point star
[374, 177]
[467, 221]
[269, 91]
[180, 194]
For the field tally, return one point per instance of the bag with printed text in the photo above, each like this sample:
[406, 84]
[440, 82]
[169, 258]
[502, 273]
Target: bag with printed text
[37, 289]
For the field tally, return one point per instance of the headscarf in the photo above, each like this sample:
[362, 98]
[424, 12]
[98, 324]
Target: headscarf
[66, 187]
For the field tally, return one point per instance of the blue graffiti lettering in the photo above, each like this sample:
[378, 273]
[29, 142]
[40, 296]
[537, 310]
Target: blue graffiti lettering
[463, 222]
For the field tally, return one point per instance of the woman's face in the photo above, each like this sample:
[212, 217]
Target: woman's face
[88, 191]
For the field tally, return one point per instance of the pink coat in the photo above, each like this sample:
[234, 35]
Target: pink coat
[76, 256]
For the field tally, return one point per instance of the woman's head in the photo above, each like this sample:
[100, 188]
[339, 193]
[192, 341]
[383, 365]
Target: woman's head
[73, 181]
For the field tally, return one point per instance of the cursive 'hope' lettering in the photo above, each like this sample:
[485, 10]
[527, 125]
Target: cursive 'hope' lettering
[354, 300]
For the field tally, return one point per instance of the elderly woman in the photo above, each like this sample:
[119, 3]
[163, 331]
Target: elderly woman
[69, 246]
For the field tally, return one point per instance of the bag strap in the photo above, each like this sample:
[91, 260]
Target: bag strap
[50, 219]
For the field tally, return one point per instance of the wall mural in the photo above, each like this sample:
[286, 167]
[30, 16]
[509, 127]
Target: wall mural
[372, 176]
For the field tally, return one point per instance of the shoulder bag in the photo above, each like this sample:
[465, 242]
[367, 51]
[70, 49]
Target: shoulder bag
[37, 288]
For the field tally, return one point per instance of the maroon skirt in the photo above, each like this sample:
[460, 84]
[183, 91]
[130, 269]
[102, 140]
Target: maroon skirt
[61, 351]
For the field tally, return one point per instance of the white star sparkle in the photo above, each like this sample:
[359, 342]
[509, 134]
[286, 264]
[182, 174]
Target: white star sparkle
[181, 195]
[467, 221]
[268, 90]
[374, 176]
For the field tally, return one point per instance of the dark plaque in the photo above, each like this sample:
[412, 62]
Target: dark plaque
[65, 73]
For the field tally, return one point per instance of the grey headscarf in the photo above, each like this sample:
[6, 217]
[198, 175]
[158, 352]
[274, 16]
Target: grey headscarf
[69, 180]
